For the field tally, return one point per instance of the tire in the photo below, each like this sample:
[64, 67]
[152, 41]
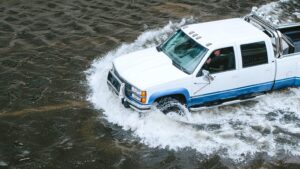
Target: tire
[168, 105]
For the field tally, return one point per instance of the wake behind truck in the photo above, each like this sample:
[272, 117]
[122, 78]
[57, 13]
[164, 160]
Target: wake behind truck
[208, 64]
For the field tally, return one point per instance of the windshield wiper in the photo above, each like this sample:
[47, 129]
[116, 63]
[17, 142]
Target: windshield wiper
[180, 67]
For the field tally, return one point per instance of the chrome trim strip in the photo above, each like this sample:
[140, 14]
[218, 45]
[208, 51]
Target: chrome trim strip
[139, 106]
[139, 110]
[288, 25]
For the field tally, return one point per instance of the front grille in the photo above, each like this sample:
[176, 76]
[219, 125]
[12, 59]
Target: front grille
[116, 84]
[112, 78]
[117, 74]
[127, 90]
[127, 85]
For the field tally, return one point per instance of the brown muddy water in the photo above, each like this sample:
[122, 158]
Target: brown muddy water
[56, 112]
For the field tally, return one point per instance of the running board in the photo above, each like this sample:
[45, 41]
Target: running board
[224, 104]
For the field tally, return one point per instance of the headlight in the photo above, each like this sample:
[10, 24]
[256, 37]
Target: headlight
[136, 91]
[138, 94]
[135, 97]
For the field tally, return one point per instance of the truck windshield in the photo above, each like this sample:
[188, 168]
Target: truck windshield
[185, 53]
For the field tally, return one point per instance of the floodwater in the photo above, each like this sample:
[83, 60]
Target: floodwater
[56, 110]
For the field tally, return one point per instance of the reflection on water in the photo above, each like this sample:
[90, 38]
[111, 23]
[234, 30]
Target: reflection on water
[46, 122]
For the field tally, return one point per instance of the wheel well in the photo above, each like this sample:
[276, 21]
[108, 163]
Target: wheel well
[181, 98]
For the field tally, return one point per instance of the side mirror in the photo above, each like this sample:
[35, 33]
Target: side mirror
[206, 76]
[158, 48]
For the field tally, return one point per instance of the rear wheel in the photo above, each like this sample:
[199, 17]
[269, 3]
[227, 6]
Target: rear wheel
[169, 105]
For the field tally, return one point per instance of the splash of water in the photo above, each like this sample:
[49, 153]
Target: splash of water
[273, 12]
[270, 125]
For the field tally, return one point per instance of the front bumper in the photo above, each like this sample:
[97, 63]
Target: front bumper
[118, 87]
[136, 106]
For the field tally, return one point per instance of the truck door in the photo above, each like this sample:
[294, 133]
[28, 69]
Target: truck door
[257, 71]
[249, 70]
[223, 77]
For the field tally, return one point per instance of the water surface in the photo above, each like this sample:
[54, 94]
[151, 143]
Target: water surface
[56, 111]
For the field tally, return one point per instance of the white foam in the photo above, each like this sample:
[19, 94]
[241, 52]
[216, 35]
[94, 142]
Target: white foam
[273, 12]
[3, 164]
[230, 131]
[297, 14]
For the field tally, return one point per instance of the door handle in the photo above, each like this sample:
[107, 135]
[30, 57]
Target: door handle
[201, 83]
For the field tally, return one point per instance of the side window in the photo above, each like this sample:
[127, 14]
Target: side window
[220, 60]
[254, 54]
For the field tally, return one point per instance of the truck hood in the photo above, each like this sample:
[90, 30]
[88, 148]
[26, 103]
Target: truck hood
[147, 68]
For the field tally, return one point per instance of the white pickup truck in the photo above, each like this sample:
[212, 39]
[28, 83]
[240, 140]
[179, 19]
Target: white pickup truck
[209, 64]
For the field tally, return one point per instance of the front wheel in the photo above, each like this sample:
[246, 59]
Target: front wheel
[169, 105]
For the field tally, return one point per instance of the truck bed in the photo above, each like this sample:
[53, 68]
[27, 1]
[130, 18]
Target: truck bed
[293, 33]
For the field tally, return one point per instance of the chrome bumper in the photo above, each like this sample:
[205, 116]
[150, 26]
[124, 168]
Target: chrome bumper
[136, 106]
[127, 102]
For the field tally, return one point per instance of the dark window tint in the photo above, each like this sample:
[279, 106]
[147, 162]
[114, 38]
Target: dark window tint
[254, 54]
[220, 60]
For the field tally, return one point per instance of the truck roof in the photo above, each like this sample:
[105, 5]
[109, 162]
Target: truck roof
[224, 32]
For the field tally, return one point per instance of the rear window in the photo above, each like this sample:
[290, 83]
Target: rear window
[254, 54]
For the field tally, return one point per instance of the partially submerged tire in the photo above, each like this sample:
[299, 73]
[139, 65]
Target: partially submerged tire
[168, 105]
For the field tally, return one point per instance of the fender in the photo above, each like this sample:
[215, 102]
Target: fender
[169, 92]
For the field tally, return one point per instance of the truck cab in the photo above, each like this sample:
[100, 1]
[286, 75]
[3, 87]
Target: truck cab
[240, 62]
[200, 65]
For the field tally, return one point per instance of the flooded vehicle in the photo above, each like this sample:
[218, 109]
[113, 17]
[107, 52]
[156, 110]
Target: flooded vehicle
[56, 110]
[208, 64]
